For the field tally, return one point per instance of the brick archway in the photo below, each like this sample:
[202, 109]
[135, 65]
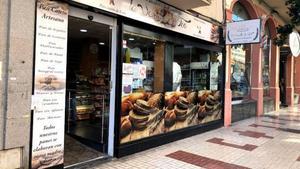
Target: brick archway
[274, 73]
[247, 4]
[256, 92]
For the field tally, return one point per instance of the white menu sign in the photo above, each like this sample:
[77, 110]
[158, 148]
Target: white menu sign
[243, 32]
[159, 14]
[48, 101]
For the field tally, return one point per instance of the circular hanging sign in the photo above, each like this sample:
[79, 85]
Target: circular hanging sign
[294, 41]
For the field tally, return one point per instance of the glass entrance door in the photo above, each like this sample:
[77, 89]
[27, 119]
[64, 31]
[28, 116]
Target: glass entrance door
[89, 76]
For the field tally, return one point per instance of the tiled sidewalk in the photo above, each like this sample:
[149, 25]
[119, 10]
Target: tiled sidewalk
[269, 142]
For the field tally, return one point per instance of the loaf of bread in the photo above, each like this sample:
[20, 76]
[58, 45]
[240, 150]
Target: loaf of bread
[170, 118]
[156, 101]
[135, 96]
[126, 107]
[125, 127]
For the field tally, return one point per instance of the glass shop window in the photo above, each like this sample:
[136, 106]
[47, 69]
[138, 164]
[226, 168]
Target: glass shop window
[198, 69]
[266, 61]
[240, 71]
[167, 84]
[143, 56]
[241, 60]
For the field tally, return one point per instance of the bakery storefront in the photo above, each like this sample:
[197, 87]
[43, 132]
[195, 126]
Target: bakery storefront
[118, 77]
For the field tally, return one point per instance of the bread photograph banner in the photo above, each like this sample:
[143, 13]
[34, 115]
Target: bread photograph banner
[146, 114]
[48, 101]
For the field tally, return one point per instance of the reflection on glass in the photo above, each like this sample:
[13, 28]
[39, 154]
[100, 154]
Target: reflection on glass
[239, 12]
[241, 63]
[266, 61]
[199, 67]
[138, 65]
[240, 72]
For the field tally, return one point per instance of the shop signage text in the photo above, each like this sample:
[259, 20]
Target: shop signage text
[159, 14]
[294, 42]
[48, 101]
[243, 32]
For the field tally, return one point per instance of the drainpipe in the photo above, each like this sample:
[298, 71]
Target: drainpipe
[5, 72]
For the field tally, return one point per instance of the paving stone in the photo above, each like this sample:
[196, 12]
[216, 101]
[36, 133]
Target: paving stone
[259, 144]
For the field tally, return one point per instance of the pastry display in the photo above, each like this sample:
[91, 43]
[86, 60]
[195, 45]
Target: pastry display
[209, 105]
[90, 95]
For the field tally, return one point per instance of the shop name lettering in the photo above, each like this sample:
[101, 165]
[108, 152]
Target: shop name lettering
[164, 15]
[243, 34]
[160, 14]
[53, 9]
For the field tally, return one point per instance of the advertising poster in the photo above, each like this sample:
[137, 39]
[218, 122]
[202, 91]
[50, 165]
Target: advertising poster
[146, 114]
[48, 101]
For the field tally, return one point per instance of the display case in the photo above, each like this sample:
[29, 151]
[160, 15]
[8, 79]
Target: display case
[186, 74]
[200, 79]
[89, 98]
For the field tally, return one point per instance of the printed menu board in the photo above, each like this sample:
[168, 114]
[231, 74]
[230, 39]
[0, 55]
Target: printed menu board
[48, 101]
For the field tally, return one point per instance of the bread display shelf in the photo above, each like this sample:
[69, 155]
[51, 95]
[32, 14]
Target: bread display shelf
[84, 107]
[83, 116]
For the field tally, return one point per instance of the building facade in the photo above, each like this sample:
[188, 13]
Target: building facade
[84, 81]
[259, 76]
[96, 80]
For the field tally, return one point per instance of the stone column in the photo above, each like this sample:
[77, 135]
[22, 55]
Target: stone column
[256, 78]
[290, 80]
[297, 75]
[227, 93]
[16, 60]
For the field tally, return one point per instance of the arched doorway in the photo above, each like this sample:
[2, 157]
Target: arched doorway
[244, 77]
[269, 66]
[241, 60]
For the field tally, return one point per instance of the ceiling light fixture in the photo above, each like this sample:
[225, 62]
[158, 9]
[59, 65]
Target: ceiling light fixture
[83, 30]
[101, 43]
[131, 39]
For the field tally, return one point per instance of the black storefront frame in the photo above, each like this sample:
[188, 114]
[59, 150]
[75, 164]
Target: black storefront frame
[135, 146]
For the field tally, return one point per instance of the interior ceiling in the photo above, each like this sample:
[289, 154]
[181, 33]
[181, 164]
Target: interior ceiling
[187, 4]
[94, 30]
[280, 7]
